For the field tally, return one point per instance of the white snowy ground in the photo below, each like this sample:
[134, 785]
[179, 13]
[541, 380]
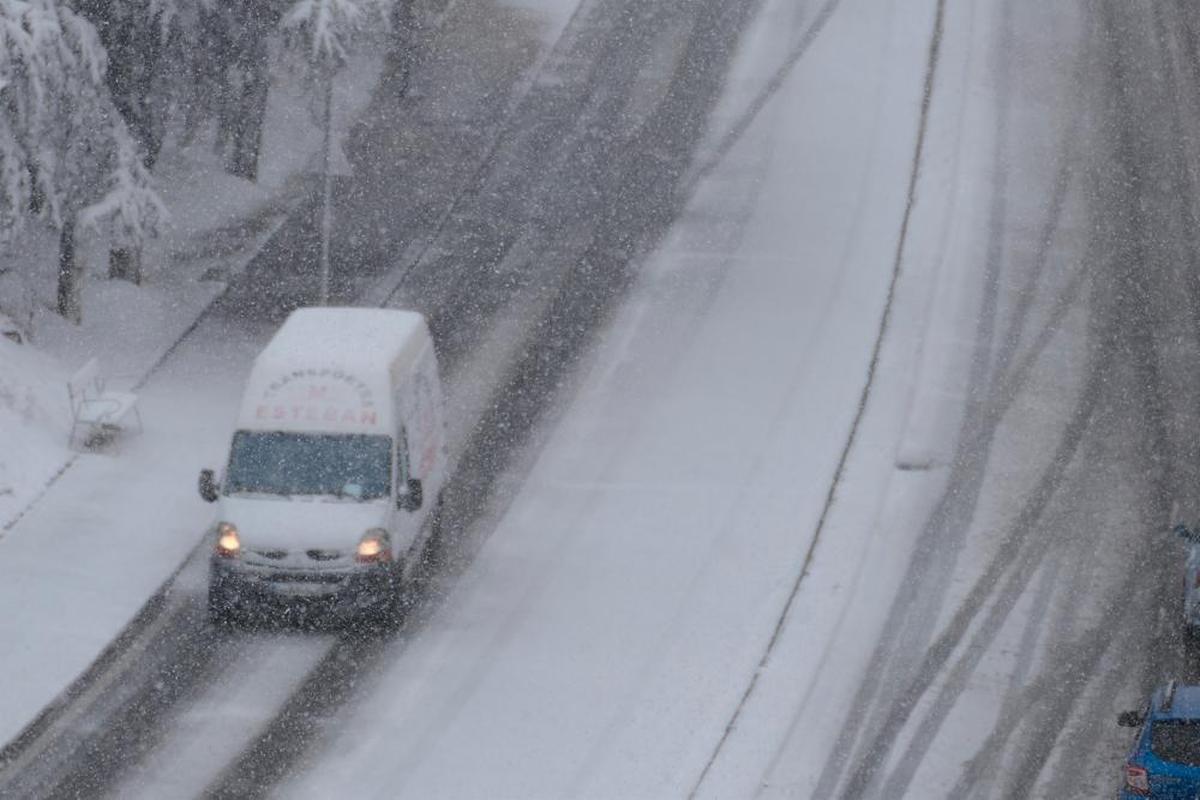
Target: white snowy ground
[130, 327]
[77, 562]
[602, 636]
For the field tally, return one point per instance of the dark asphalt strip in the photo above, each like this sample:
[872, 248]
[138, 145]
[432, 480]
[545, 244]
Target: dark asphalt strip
[575, 142]
[479, 175]
[877, 347]
[284, 741]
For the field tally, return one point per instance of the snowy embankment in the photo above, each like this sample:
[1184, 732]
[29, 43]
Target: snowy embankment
[130, 328]
[607, 630]
[86, 538]
[34, 421]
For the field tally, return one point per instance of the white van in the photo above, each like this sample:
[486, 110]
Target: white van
[336, 467]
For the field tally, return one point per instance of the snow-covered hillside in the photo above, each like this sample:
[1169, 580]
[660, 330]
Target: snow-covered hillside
[34, 422]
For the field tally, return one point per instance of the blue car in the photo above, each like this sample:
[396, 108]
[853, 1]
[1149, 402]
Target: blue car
[1165, 760]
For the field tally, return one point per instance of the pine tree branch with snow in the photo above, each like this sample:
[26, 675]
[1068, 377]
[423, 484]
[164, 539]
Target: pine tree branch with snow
[66, 156]
[51, 73]
[130, 211]
[326, 28]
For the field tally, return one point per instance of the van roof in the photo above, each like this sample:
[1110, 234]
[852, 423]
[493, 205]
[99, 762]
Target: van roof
[332, 369]
[360, 337]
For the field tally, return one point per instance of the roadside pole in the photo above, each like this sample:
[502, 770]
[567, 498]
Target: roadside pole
[327, 188]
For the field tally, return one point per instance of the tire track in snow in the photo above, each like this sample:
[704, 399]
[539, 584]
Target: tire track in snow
[937, 549]
[1131, 328]
[1007, 383]
[1010, 552]
[1156, 205]
[909, 622]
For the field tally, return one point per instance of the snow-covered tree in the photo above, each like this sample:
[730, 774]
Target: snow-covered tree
[63, 146]
[135, 40]
[237, 36]
[128, 212]
[178, 15]
[44, 54]
[205, 58]
[325, 29]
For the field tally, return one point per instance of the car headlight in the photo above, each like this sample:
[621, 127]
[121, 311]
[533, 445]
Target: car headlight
[229, 545]
[375, 547]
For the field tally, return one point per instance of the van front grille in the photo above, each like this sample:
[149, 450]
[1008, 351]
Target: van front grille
[305, 577]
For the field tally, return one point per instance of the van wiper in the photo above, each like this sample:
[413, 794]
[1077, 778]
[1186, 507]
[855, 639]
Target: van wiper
[255, 494]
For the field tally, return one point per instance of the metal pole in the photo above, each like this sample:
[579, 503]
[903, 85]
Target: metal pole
[327, 179]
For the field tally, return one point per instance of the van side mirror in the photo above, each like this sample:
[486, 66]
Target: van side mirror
[1129, 719]
[412, 496]
[208, 486]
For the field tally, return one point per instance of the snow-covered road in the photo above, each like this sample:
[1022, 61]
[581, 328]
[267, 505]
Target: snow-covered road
[843, 499]
[601, 639]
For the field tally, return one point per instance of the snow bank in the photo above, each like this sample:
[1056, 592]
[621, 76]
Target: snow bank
[138, 497]
[34, 422]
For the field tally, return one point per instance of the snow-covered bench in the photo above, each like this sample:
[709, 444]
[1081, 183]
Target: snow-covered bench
[95, 409]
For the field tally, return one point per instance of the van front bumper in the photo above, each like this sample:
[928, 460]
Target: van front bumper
[346, 592]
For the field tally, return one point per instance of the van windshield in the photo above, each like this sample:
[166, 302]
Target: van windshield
[351, 466]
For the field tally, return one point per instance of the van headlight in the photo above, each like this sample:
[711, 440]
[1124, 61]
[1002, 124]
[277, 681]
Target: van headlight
[375, 547]
[229, 544]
